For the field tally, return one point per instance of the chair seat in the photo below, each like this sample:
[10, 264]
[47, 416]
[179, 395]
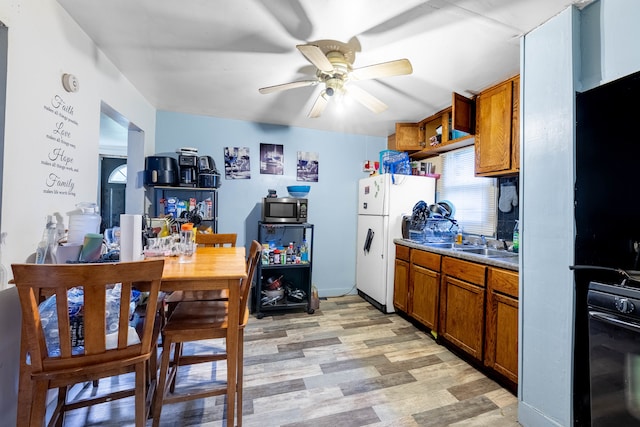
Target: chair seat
[179, 296]
[200, 315]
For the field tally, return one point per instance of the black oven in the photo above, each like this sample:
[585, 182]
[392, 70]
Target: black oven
[614, 353]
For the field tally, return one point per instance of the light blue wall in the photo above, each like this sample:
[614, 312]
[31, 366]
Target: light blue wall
[546, 216]
[332, 200]
[574, 51]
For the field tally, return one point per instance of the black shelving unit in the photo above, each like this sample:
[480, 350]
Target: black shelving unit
[294, 277]
[161, 193]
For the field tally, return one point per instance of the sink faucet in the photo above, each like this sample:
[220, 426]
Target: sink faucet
[483, 241]
[504, 244]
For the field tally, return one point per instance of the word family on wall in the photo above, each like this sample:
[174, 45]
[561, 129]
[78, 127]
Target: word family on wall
[60, 171]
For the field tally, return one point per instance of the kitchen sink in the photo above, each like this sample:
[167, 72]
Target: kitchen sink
[488, 252]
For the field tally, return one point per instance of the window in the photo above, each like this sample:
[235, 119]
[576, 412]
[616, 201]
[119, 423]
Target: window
[118, 175]
[473, 197]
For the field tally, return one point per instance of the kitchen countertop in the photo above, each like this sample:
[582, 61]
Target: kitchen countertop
[508, 263]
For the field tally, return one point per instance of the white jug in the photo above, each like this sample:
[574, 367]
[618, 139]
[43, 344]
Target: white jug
[85, 219]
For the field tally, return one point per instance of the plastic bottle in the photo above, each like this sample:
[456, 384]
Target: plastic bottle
[516, 237]
[290, 254]
[265, 254]
[46, 250]
[459, 236]
[304, 251]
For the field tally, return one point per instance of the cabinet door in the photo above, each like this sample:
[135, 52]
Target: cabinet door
[401, 285]
[493, 132]
[463, 113]
[425, 294]
[501, 352]
[515, 126]
[409, 137]
[501, 346]
[462, 315]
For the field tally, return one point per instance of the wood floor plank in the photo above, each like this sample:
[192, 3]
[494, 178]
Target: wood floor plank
[348, 364]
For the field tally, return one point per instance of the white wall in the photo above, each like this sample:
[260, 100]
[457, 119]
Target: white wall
[332, 200]
[44, 43]
[574, 51]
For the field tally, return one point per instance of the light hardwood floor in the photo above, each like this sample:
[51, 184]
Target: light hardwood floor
[348, 365]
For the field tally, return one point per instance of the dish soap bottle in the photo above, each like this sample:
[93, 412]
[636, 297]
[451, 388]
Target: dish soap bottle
[516, 237]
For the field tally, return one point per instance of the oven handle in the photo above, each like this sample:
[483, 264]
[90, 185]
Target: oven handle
[614, 320]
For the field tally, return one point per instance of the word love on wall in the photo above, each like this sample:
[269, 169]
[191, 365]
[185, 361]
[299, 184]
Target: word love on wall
[58, 163]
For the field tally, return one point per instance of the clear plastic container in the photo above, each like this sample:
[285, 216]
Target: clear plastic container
[85, 219]
[435, 231]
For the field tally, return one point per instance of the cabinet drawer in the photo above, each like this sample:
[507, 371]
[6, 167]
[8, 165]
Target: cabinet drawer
[426, 259]
[503, 281]
[402, 252]
[468, 271]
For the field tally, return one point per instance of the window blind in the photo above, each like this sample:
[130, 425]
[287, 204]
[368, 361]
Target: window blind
[475, 198]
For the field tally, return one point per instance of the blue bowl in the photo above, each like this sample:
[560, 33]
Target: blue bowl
[298, 190]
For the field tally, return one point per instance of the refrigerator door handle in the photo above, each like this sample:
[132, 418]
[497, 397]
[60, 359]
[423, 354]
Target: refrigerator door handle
[367, 242]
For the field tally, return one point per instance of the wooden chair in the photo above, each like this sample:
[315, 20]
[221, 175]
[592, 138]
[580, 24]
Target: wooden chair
[216, 239]
[101, 357]
[202, 320]
[203, 239]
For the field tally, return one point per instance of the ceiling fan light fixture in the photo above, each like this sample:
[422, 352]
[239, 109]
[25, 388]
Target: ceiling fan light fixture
[333, 61]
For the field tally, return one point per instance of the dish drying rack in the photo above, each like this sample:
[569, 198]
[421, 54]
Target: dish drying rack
[433, 230]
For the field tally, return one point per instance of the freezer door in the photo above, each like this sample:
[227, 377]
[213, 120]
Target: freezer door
[371, 265]
[371, 195]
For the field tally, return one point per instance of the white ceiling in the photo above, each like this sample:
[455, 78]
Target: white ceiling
[209, 57]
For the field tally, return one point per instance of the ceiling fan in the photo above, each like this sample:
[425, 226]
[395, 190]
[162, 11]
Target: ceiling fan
[334, 69]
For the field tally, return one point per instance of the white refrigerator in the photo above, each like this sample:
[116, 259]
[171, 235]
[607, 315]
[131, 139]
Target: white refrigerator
[382, 201]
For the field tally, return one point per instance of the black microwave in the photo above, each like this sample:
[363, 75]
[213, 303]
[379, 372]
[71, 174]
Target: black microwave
[284, 210]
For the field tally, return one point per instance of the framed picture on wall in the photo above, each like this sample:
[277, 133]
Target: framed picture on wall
[272, 159]
[237, 163]
[307, 167]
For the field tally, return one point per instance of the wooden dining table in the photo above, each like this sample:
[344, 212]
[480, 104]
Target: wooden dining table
[207, 269]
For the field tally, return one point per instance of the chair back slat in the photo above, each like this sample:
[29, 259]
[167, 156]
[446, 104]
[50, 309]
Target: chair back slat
[64, 327]
[245, 286]
[94, 279]
[217, 239]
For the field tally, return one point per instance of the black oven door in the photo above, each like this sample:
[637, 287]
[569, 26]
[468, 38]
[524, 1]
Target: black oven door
[614, 347]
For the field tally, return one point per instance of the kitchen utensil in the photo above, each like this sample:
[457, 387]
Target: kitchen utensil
[161, 170]
[448, 206]
[298, 190]
[438, 211]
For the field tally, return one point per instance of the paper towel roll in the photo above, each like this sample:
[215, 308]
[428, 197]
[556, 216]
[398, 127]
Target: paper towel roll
[131, 237]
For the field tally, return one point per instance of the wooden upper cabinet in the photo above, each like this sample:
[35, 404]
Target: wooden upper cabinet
[497, 142]
[415, 137]
[408, 137]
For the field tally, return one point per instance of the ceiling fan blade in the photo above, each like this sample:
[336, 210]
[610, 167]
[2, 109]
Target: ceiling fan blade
[366, 99]
[384, 69]
[315, 55]
[318, 106]
[285, 86]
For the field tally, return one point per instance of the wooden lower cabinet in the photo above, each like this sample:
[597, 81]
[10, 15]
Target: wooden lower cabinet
[471, 306]
[401, 279]
[462, 305]
[424, 288]
[501, 344]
